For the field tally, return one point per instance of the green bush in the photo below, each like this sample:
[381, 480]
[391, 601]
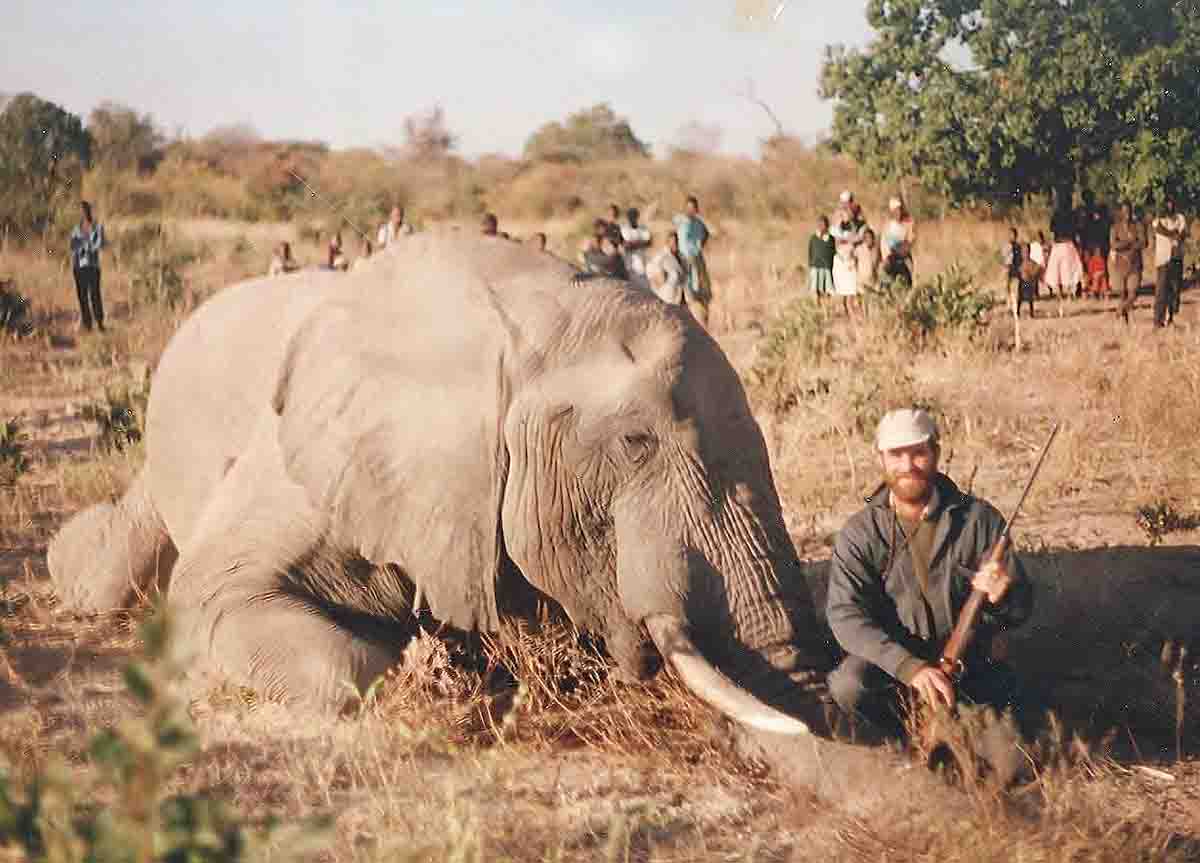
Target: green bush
[947, 302]
[14, 312]
[12, 451]
[121, 415]
[798, 339]
[55, 816]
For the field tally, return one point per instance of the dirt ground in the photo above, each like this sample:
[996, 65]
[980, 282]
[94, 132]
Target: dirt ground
[398, 794]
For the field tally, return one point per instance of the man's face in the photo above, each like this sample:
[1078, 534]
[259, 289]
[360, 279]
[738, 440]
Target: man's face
[909, 471]
[692, 208]
[1170, 206]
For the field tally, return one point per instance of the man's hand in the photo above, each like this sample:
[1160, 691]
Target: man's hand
[933, 686]
[992, 579]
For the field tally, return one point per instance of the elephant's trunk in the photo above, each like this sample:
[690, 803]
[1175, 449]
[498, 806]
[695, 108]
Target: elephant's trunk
[718, 615]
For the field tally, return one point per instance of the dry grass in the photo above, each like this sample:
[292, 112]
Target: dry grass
[449, 757]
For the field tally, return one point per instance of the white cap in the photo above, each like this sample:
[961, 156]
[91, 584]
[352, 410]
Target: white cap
[905, 427]
[845, 197]
[894, 204]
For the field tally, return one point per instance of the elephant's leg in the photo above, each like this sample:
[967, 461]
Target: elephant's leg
[104, 557]
[236, 608]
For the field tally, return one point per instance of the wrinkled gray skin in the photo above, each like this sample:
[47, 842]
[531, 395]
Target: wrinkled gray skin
[457, 410]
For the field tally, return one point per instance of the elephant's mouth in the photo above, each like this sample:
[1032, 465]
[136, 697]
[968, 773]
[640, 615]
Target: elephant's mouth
[710, 684]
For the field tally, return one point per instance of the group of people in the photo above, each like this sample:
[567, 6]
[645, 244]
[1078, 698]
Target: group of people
[619, 248]
[678, 273]
[1093, 254]
[846, 257]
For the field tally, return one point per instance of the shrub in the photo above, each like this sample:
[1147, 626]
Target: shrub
[121, 415]
[14, 312]
[1160, 518]
[55, 815]
[947, 302]
[799, 338]
[12, 451]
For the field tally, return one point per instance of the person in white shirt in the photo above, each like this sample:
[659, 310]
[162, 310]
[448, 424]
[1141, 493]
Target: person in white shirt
[394, 227]
[668, 273]
[1170, 229]
[87, 239]
[635, 239]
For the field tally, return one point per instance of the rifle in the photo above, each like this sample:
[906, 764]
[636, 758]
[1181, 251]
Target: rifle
[951, 661]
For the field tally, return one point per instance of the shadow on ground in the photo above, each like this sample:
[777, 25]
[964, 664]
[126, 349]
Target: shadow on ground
[1092, 652]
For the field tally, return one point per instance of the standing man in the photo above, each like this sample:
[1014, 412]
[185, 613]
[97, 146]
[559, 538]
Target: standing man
[693, 236]
[394, 227]
[902, 569]
[669, 272]
[1170, 228]
[87, 239]
[635, 239]
[1127, 238]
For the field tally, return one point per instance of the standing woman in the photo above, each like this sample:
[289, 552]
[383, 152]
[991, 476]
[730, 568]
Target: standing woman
[87, 239]
[848, 230]
[1064, 267]
[899, 235]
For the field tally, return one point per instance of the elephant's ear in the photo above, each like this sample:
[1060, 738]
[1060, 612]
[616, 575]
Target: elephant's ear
[396, 435]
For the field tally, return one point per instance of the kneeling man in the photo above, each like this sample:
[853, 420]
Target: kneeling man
[902, 569]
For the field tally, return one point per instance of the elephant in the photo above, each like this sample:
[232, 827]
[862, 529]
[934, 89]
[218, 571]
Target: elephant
[452, 426]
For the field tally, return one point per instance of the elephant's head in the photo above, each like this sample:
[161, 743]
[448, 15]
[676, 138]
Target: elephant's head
[592, 435]
[639, 494]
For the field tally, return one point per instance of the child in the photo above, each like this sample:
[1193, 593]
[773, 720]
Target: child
[821, 249]
[1011, 256]
[1038, 251]
[1097, 271]
[1027, 287]
[868, 261]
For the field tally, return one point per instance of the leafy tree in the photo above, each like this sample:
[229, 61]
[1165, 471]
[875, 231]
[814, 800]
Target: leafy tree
[43, 150]
[1051, 94]
[123, 140]
[593, 133]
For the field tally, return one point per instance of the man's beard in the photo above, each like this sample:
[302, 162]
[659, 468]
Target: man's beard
[912, 487]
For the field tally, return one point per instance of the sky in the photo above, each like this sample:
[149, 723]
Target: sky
[348, 73]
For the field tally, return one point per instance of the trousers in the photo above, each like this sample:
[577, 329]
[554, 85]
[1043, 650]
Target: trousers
[87, 289]
[1167, 286]
[866, 691]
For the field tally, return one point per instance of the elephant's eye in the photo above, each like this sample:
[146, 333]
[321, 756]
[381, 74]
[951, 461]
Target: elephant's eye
[638, 446]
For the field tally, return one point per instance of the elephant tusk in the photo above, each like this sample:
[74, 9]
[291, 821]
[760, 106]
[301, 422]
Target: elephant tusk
[712, 686]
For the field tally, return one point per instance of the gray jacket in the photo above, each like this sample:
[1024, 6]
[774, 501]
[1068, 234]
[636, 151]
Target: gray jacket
[875, 605]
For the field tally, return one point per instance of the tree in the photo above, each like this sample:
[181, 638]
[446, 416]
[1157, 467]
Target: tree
[593, 133]
[1052, 94]
[426, 136]
[122, 140]
[43, 150]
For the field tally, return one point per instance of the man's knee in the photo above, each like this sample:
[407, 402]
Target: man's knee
[852, 681]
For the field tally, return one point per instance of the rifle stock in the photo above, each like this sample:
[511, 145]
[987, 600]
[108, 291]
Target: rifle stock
[951, 661]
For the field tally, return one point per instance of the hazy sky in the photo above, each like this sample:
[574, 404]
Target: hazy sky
[349, 73]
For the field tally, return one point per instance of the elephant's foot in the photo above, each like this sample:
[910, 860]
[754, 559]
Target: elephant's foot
[287, 651]
[108, 555]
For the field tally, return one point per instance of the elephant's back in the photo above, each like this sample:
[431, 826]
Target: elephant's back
[215, 377]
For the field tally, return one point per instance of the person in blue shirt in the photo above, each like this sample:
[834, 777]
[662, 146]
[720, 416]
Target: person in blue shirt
[693, 236]
[87, 239]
